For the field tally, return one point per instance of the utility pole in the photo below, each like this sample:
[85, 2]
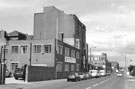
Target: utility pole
[2, 68]
[30, 52]
[90, 55]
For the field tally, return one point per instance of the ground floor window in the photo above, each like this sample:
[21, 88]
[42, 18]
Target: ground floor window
[72, 67]
[59, 67]
[14, 66]
[66, 67]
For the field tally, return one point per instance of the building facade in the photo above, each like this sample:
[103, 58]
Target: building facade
[53, 23]
[115, 66]
[59, 41]
[100, 62]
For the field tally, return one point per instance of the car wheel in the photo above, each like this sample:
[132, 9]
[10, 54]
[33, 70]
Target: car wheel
[76, 79]
[68, 80]
[16, 78]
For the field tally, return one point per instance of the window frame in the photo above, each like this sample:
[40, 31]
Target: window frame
[48, 47]
[36, 49]
[14, 49]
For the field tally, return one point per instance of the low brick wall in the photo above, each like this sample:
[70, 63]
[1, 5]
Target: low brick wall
[40, 73]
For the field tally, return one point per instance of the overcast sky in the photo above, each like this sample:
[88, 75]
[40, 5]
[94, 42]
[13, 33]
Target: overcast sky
[110, 23]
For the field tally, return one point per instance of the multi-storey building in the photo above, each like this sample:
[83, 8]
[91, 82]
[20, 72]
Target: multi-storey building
[59, 41]
[115, 66]
[55, 24]
[62, 57]
[100, 62]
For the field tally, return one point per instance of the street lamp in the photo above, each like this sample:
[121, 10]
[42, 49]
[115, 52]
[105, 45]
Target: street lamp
[90, 55]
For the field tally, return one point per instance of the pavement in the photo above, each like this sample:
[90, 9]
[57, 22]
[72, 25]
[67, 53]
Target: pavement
[20, 84]
[130, 82]
[11, 83]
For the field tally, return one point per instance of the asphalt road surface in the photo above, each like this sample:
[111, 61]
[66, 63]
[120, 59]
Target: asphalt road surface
[108, 82]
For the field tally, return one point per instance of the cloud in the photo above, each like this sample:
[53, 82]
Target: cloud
[100, 28]
[20, 3]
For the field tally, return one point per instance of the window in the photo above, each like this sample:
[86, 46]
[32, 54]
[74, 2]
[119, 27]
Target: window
[67, 52]
[14, 66]
[60, 50]
[47, 48]
[72, 67]
[14, 49]
[77, 55]
[66, 67]
[59, 67]
[24, 49]
[77, 67]
[73, 53]
[37, 48]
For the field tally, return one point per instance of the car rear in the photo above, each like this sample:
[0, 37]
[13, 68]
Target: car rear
[19, 73]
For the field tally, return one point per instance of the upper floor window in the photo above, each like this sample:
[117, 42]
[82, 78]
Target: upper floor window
[67, 52]
[73, 53]
[77, 55]
[37, 48]
[47, 48]
[24, 49]
[14, 49]
[60, 49]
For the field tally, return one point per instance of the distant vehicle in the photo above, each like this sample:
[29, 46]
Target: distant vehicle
[94, 73]
[19, 73]
[73, 77]
[8, 73]
[119, 74]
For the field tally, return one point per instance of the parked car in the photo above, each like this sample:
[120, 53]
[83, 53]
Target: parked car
[19, 73]
[82, 75]
[94, 73]
[102, 73]
[73, 76]
[8, 73]
[87, 76]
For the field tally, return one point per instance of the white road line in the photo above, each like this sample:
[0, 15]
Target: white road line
[88, 87]
[99, 83]
[95, 85]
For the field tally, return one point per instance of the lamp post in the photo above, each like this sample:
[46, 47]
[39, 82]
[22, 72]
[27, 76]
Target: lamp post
[90, 55]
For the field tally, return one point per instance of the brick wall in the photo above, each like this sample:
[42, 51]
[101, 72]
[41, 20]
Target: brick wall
[40, 73]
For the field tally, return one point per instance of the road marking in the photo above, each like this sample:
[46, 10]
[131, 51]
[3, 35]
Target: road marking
[99, 83]
[95, 85]
[88, 87]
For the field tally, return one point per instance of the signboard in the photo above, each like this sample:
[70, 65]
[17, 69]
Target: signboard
[70, 60]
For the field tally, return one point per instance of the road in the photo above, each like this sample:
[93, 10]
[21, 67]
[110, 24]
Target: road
[109, 82]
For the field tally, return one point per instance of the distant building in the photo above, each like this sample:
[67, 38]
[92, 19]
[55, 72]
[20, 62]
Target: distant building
[100, 62]
[115, 66]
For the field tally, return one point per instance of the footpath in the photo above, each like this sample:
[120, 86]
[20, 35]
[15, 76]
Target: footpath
[25, 85]
[130, 82]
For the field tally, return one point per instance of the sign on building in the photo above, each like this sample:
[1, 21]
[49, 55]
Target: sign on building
[70, 60]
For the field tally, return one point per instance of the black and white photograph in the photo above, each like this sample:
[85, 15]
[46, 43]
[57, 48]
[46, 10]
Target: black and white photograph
[63, 44]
